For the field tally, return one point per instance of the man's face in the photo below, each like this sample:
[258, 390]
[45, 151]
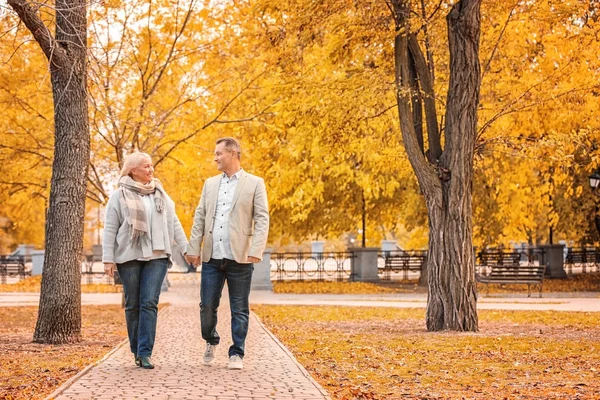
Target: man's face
[223, 157]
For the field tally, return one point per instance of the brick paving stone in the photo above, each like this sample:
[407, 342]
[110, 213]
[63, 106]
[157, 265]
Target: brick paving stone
[270, 371]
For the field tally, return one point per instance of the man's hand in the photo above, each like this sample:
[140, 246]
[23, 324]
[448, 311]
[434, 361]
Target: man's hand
[253, 260]
[194, 260]
[109, 269]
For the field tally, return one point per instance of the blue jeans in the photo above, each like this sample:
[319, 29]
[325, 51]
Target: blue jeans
[141, 284]
[213, 277]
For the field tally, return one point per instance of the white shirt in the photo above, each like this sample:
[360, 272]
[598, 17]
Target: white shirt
[148, 201]
[221, 244]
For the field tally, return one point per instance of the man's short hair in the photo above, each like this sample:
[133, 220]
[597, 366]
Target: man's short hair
[231, 144]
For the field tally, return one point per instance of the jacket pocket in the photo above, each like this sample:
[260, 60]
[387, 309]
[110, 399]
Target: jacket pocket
[248, 231]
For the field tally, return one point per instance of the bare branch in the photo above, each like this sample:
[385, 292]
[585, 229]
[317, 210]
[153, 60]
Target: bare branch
[22, 150]
[93, 196]
[211, 122]
[510, 109]
[28, 12]
[379, 114]
[13, 183]
[493, 53]
[506, 109]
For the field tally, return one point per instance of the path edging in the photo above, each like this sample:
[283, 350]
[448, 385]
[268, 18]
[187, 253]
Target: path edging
[292, 357]
[87, 369]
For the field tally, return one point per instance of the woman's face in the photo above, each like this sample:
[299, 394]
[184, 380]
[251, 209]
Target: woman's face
[144, 172]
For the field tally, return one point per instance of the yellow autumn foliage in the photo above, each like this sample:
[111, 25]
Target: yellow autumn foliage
[308, 88]
[327, 287]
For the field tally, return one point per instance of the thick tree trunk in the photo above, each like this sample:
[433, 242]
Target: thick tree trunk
[59, 317]
[452, 300]
[447, 183]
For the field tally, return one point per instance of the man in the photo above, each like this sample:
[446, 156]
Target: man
[232, 220]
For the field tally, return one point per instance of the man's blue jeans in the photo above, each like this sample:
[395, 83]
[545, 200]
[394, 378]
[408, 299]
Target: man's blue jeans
[141, 284]
[213, 277]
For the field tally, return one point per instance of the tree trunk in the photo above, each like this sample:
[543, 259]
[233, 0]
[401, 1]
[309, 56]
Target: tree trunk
[59, 317]
[452, 300]
[447, 184]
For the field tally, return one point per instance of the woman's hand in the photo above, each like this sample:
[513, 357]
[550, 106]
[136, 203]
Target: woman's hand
[109, 269]
[193, 260]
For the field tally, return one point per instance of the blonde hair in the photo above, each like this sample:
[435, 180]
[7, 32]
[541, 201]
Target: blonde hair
[132, 161]
[232, 144]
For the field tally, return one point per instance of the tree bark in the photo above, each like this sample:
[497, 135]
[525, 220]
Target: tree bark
[446, 181]
[59, 317]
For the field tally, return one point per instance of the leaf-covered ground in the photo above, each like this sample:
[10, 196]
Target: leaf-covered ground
[589, 282]
[32, 371]
[33, 284]
[386, 353]
[327, 287]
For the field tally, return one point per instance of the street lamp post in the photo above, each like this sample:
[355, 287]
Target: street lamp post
[594, 183]
[594, 180]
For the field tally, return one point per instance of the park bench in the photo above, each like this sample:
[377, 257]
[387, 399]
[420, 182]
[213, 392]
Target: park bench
[402, 263]
[530, 275]
[11, 267]
[491, 259]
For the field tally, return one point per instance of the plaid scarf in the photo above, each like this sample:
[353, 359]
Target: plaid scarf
[133, 203]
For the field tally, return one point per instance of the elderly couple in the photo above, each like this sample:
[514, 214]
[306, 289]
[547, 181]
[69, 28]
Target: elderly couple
[232, 223]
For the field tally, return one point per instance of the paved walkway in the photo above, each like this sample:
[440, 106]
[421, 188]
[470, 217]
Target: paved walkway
[270, 371]
[589, 302]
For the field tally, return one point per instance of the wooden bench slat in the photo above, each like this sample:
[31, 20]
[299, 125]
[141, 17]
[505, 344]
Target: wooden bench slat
[515, 274]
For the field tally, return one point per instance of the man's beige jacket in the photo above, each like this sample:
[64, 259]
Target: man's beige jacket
[248, 219]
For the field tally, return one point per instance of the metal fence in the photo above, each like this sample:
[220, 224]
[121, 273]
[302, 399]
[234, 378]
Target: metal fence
[92, 271]
[14, 268]
[582, 260]
[401, 265]
[338, 266]
[311, 266]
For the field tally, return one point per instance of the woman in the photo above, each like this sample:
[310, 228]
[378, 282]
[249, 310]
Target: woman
[139, 229]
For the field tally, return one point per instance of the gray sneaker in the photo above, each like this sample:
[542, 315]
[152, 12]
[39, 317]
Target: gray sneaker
[209, 353]
[235, 362]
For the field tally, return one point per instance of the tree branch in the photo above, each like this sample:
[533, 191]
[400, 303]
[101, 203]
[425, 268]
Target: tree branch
[424, 171]
[510, 109]
[425, 78]
[28, 13]
[23, 184]
[493, 53]
[205, 126]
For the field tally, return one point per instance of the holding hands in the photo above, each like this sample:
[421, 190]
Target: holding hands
[195, 260]
[192, 260]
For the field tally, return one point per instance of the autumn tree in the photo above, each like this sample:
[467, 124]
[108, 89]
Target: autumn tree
[25, 136]
[59, 318]
[445, 173]
[307, 88]
[539, 119]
